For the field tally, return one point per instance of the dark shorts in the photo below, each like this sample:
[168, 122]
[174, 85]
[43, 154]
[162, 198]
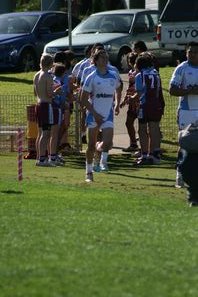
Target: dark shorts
[57, 114]
[44, 115]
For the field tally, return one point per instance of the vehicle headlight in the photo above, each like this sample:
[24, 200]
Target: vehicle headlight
[50, 50]
[10, 49]
[107, 47]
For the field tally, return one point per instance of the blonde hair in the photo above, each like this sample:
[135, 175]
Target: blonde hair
[46, 61]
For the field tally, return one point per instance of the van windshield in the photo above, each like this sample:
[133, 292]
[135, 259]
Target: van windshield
[105, 23]
[180, 11]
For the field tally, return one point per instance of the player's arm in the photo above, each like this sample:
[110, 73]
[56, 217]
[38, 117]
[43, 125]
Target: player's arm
[118, 99]
[84, 98]
[179, 91]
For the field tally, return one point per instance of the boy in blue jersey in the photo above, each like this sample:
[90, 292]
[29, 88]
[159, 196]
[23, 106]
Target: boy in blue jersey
[184, 84]
[98, 97]
[149, 91]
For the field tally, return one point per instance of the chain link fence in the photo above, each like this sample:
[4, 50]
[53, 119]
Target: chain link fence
[15, 112]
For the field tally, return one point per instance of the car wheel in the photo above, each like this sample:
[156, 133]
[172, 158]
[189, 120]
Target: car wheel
[27, 61]
[122, 60]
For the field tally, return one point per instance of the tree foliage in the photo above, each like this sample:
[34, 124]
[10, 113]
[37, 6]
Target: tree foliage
[85, 7]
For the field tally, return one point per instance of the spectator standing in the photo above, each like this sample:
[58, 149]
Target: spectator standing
[43, 90]
[184, 84]
[149, 91]
[140, 47]
[188, 162]
[67, 87]
[133, 104]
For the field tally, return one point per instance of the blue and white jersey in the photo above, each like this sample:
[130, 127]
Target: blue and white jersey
[184, 76]
[83, 65]
[87, 70]
[141, 85]
[102, 89]
[76, 68]
[92, 67]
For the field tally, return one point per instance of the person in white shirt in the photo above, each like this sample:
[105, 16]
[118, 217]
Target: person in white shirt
[97, 96]
[184, 84]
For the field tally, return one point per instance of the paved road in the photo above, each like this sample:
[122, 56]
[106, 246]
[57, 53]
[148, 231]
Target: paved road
[121, 138]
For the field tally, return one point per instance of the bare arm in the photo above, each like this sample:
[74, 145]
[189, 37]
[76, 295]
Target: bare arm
[118, 100]
[84, 99]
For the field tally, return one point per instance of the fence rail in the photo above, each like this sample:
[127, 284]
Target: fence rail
[13, 115]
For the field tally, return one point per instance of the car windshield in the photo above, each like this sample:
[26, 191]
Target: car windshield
[108, 23]
[17, 24]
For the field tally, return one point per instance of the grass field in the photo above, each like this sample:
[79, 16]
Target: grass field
[129, 234]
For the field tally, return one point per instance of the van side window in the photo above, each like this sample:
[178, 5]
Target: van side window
[180, 11]
[141, 24]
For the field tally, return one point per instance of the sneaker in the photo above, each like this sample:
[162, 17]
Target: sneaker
[89, 177]
[144, 161]
[104, 167]
[45, 164]
[130, 149]
[179, 181]
[137, 154]
[156, 160]
[193, 203]
[56, 162]
[60, 159]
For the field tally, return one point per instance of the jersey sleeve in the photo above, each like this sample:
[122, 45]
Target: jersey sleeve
[138, 83]
[177, 76]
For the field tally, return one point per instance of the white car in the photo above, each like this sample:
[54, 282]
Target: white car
[117, 30]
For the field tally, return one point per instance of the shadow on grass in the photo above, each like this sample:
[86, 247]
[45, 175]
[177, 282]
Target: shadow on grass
[15, 80]
[142, 177]
[12, 192]
[119, 162]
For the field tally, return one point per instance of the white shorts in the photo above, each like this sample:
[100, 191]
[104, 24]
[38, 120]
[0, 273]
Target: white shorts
[186, 117]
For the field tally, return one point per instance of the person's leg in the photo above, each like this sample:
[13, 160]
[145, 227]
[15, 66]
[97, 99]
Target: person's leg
[83, 126]
[154, 135]
[43, 143]
[107, 143]
[54, 141]
[63, 134]
[188, 168]
[131, 131]
[92, 138]
[179, 182]
[143, 136]
[37, 143]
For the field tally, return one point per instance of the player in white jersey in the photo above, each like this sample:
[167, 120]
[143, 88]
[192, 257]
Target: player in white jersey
[97, 96]
[184, 83]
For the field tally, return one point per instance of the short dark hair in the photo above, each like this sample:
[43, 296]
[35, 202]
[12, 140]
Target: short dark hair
[97, 54]
[59, 69]
[131, 58]
[88, 50]
[60, 57]
[141, 45]
[144, 61]
[70, 55]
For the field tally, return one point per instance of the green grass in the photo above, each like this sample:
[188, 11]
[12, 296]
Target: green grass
[129, 234]
[21, 83]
